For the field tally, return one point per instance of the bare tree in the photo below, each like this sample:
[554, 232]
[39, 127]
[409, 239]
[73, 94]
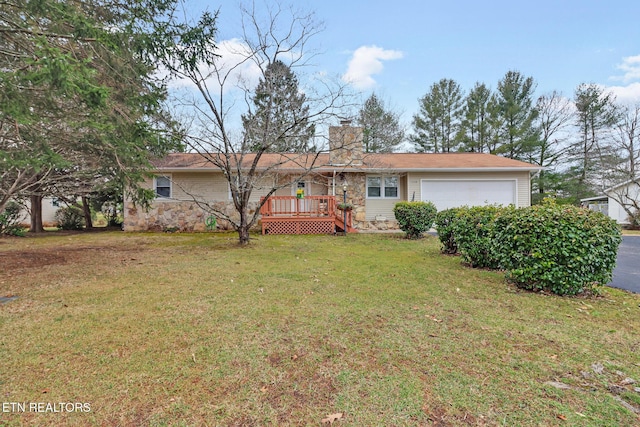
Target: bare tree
[626, 135]
[595, 116]
[223, 92]
[555, 116]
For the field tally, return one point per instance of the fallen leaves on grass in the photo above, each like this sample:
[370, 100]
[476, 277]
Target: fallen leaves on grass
[558, 385]
[331, 418]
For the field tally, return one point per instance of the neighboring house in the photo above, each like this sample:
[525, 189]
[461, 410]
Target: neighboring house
[597, 204]
[620, 200]
[50, 206]
[185, 182]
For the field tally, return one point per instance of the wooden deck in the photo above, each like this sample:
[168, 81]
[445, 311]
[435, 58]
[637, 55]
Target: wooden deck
[309, 215]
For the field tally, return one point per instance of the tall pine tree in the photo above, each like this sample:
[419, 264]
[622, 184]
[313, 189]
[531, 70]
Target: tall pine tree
[516, 114]
[279, 121]
[475, 129]
[437, 123]
[382, 131]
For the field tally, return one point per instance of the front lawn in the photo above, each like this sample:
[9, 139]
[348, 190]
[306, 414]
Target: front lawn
[190, 329]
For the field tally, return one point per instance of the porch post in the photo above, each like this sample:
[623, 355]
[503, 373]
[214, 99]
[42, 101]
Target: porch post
[344, 211]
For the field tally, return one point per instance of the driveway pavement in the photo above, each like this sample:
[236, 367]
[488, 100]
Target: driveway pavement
[626, 275]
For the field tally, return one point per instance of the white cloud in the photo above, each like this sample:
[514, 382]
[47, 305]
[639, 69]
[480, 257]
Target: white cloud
[233, 61]
[629, 94]
[631, 67]
[366, 61]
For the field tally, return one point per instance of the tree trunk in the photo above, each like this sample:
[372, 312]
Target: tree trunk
[87, 213]
[243, 227]
[243, 231]
[243, 236]
[36, 215]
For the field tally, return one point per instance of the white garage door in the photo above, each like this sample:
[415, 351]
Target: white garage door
[447, 194]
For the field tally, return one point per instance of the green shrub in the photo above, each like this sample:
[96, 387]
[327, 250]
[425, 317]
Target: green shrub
[562, 249]
[70, 218]
[10, 220]
[415, 218]
[473, 231]
[444, 224]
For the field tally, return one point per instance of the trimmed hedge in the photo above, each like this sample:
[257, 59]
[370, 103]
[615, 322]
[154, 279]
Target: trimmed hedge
[444, 224]
[562, 249]
[473, 232]
[415, 218]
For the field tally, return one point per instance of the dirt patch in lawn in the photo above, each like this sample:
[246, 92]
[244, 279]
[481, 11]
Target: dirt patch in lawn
[21, 260]
[25, 261]
[18, 261]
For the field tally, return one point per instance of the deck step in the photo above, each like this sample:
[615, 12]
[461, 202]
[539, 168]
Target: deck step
[339, 223]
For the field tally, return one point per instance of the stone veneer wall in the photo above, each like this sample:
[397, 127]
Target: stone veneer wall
[181, 215]
[345, 144]
[357, 196]
[188, 216]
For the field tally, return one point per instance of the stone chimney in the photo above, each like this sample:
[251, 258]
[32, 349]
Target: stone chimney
[346, 144]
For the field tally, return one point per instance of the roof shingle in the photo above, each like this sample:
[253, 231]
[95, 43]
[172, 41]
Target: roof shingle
[370, 162]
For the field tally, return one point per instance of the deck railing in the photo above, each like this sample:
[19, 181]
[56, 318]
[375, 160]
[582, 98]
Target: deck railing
[291, 206]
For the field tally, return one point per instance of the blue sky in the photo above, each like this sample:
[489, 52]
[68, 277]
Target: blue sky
[400, 48]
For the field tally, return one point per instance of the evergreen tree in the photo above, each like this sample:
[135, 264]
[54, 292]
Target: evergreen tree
[78, 103]
[515, 115]
[475, 128]
[436, 124]
[279, 121]
[382, 131]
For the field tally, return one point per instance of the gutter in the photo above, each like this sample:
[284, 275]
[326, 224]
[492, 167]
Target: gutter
[373, 170]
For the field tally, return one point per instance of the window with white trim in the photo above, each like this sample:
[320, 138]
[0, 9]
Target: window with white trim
[162, 186]
[382, 187]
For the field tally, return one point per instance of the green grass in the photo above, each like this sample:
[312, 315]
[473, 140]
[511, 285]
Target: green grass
[190, 329]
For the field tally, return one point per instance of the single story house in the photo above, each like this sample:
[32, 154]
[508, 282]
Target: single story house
[618, 201]
[597, 204]
[185, 183]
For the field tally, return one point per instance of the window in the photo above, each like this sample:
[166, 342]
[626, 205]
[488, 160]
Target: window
[391, 186]
[373, 186]
[383, 187]
[163, 186]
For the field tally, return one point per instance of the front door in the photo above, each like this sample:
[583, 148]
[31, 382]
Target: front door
[300, 190]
